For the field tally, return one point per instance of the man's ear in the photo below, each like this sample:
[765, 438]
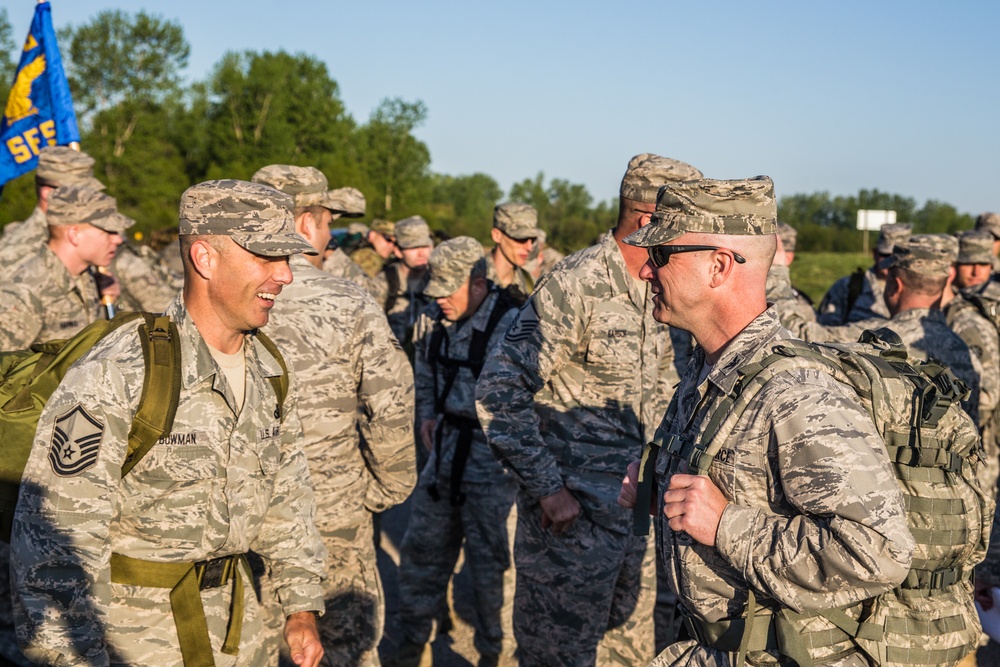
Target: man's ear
[496, 235]
[721, 268]
[204, 258]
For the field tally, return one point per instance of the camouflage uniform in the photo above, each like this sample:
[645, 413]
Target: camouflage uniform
[788, 239]
[990, 222]
[348, 363]
[144, 286]
[43, 300]
[439, 519]
[814, 517]
[782, 536]
[339, 265]
[522, 279]
[520, 223]
[221, 483]
[587, 366]
[405, 298]
[57, 166]
[870, 303]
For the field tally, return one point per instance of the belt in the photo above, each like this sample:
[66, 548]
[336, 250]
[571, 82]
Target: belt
[185, 580]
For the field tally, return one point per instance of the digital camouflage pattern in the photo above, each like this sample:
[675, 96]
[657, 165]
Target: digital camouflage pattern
[646, 172]
[777, 280]
[220, 483]
[413, 232]
[989, 222]
[890, 235]
[22, 239]
[436, 528]
[982, 338]
[451, 264]
[356, 407]
[42, 301]
[82, 204]
[929, 255]
[709, 206]
[974, 247]
[309, 187]
[257, 217]
[814, 521]
[405, 300]
[368, 261]
[789, 236]
[569, 397]
[62, 165]
[869, 305]
[339, 265]
[521, 278]
[518, 221]
[144, 285]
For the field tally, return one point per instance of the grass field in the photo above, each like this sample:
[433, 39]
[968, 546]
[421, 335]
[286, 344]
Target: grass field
[814, 272]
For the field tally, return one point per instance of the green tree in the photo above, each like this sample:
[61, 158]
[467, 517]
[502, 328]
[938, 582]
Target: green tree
[565, 211]
[397, 163]
[267, 108]
[7, 48]
[463, 205]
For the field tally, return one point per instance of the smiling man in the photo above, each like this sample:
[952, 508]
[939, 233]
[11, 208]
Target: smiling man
[52, 294]
[799, 511]
[143, 569]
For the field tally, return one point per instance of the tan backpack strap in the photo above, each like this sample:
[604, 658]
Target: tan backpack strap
[280, 383]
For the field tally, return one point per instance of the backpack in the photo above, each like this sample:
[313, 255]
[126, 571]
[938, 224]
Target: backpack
[935, 453]
[28, 378]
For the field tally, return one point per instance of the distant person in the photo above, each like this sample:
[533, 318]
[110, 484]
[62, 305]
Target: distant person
[788, 240]
[859, 296]
[53, 293]
[515, 227]
[543, 257]
[990, 222]
[380, 243]
[407, 278]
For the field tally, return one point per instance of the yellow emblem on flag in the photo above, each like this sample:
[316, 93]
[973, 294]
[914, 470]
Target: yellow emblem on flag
[30, 43]
[19, 103]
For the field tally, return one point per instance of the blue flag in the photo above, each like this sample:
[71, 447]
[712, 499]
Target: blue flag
[39, 111]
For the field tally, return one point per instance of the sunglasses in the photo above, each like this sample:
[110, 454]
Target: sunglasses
[659, 255]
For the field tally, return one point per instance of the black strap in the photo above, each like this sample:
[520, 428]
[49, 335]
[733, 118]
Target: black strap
[855, 285]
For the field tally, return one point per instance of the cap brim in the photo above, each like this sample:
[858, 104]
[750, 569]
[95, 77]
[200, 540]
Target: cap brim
[886, 262]
[274, 245]
[439, 288]
[419, 243]
[523, 236]
[334, 206]
[114, 224]
[653, 234]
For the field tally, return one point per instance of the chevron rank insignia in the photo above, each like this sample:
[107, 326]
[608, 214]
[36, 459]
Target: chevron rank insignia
[524, 324]
[76, 441]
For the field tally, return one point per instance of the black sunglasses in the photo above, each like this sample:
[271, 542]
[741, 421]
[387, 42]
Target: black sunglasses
[659, 255]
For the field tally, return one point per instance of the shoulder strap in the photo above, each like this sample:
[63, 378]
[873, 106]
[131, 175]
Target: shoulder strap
[279, 383]
[161, 353]
[988, 308]
[480, 339]
[392, 282]
[855, 286]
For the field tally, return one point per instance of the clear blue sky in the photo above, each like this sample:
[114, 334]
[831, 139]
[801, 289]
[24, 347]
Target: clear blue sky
[835, 96]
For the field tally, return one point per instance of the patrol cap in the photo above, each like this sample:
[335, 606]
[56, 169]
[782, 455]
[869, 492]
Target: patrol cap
[413, 232]
[975, 246]
[891, 234]
[745, 207]
[788, 236]
[989, 222]
[256, 216]
[309, 187]
[61, 165]
[358, 228]
[451, 264]
[646, 172]
[83, 204]
[518, 221]
[927, 254]
[386, 228]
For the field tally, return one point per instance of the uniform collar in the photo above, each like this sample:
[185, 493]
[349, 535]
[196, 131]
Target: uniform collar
[742, 349]
[916, 314]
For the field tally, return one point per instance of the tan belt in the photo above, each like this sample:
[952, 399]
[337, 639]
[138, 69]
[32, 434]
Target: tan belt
[185, 581]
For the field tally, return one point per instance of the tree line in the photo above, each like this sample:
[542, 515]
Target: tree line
[152, 136]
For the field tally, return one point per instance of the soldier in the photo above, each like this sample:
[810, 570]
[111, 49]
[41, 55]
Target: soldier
[57, 166]
[94, 555]
[800, 510]
[406, 279]
[859, 296]
[990, 222]
[788, 238]
[381, 241]
[145, 286]
[463, 491]
[356, 407]
[543, 257]
[53, 294]
[918, 271]
[515, 227]
[567, 399]
[980, 334]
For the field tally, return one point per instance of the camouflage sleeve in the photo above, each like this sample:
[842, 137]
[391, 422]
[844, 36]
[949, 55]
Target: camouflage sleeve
[423, 374]
[142, 281]
[385, 394]
[60, 545]
[20, 320]
[833, 308]
[288, 537]
[850, 540]
[534, 348]
[981, 337]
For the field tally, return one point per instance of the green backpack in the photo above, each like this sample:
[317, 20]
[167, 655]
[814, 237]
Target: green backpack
[935, 453]
[28, 378]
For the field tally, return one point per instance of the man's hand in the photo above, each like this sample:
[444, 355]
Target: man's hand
[626, 497]
[427, 433]
[694, 505]
[559, 510]
[302, 636]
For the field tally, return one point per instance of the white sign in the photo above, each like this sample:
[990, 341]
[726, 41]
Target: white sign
[873, 220]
